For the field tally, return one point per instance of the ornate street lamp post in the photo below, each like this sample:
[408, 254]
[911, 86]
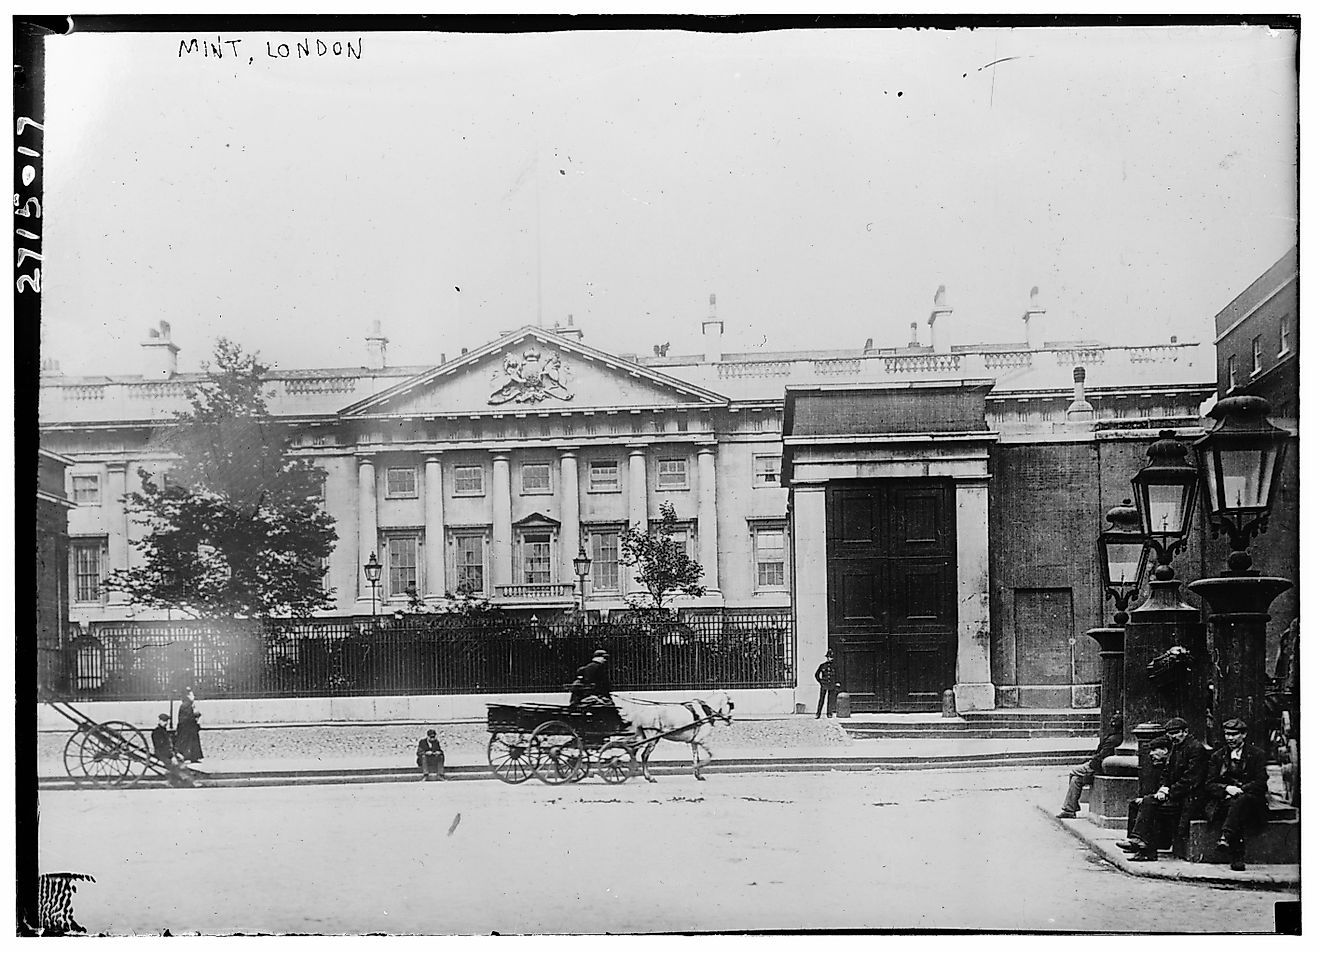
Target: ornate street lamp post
[372, 569]
[1123, 558]
[1240, 461]
[582, 566]
[1163, 638]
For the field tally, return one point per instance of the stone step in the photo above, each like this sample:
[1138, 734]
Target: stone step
[965, 731]
[1279, 843]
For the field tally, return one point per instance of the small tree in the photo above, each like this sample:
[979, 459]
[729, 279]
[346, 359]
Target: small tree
[664, 567]
[236, 527]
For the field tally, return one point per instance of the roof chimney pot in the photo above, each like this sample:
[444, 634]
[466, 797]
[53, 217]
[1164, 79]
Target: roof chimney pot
[939, 322]
[712, 329]
[162, 354]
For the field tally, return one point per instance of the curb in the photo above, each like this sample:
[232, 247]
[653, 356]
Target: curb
[1175, 869]
[481, 772]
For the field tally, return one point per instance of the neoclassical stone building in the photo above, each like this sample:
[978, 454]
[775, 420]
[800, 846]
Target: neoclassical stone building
[487, 471]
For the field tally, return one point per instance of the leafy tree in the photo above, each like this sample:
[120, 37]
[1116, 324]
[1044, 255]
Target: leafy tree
[235, 528]
[663, 566]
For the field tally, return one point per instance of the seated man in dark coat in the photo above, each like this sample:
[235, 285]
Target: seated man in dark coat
[1236, 790]
[1181, 778]
[592, 685]
[1084, 773]
[1166, 821]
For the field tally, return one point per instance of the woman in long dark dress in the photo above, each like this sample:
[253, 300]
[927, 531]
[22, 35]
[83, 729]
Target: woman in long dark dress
[188, 735]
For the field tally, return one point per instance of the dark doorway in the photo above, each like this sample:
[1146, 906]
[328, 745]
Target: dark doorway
[892, 574]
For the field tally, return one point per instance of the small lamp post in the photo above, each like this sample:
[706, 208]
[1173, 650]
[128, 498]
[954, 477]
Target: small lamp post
[372, 569]
[582, 566]
[1123, 557]
[1240, 460]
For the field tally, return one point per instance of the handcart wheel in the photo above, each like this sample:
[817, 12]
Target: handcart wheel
[616, 763]
[73, 755]
[510, 756]
[114, 753]
[559, 753]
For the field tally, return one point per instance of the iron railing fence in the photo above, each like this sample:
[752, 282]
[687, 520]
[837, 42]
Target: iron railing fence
[426, 654]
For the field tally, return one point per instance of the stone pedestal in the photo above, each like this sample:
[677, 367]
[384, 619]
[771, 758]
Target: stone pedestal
[1157, 625]
[1239, 612]
[1110, 641]
[1124, 775]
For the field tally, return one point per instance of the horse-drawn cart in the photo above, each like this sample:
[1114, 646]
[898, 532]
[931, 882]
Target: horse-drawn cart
[558, 743]
[562, 743]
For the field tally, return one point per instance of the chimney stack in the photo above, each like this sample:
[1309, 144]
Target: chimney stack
[567, 330]
[712, 329]
[941, 317]
[1033, 320]
[162, 353]
[376, 342]
[51, 368]
[915, 339]
[1080, 411]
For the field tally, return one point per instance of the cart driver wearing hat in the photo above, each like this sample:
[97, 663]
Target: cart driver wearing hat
[592, 685]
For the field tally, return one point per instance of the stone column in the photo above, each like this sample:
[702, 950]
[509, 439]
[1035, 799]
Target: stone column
[810, 586]
[435, 528]
[366, 522]
[501, 522]
[1110, 641]
[973, 689]
[707, 518]
[570, 526]
[116, 524]
[637, 511]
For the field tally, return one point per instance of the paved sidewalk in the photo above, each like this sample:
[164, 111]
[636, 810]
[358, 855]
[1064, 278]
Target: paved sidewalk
[1104, 842]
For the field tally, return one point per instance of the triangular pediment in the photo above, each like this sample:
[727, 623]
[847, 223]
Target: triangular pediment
[533, 370]
[537, 521]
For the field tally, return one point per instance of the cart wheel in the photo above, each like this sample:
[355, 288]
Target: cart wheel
[616, 763]
[73, 756]
[114, 753]
[510, 757]
[559, 753]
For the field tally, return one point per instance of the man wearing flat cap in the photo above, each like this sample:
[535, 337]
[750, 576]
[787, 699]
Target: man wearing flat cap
[1236, 790]
[1182, 777]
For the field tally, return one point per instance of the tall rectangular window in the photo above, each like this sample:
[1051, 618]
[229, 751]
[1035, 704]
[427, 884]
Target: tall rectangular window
[672, 474]
[1255, 354]
[88, 559]
[401, 570]
[603, 476]
[469, 481]
[1283, 336]
[401, 483]
[469, 563]
[86, 489]
[605, 559]
[768, 548]
[1232, 371]
[765, 470]
[536, 478]
[536, 558]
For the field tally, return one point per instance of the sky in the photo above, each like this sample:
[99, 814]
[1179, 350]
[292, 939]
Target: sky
[822, 183]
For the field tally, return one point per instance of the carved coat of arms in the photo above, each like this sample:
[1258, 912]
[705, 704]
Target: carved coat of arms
[530, 379]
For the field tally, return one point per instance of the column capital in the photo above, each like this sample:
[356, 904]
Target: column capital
[498, 452]
[432, 457]
[368, 458]
[706, 446]
[568, 451]
[116, 466]
[637, 449]
[980, 479]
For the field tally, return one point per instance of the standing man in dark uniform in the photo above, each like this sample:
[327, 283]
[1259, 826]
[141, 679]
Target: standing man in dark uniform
[1236, 790]
[827, 675]
[1182, 778]
[592, 685]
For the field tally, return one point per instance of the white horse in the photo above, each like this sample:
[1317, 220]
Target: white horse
[691, 722]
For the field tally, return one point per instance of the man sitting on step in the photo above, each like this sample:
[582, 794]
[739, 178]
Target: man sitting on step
[1236, 791]
[1166, 822]
[1083, 774]
[1181, 779]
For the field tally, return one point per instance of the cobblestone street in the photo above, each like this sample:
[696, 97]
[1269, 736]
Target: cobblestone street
[830, 850]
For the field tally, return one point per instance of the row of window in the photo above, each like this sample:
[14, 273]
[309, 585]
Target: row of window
[402, 552]
[470, 480]
[1257, 358]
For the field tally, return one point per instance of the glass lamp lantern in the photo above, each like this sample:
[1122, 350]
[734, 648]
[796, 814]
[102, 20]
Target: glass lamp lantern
[1165, 491]
[582, 563]
[1123, 557]
[1240, 460]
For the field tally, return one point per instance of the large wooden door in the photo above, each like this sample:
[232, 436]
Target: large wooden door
[891, 568]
